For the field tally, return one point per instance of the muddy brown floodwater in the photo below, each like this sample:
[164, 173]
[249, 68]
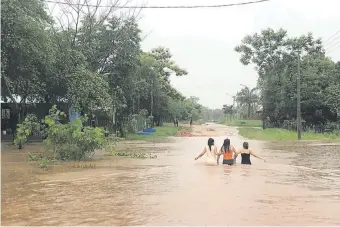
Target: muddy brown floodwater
[299, 185]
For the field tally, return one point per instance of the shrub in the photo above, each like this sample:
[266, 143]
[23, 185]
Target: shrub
[71, 141]
[26, 128]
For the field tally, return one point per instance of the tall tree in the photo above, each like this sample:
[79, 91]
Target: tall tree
[247, 96]
[276, 56]
[26, 50]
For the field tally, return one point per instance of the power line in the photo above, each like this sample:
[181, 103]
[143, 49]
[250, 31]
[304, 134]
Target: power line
[332, 36]
[329, 41]
[160, 7]
[335, 46]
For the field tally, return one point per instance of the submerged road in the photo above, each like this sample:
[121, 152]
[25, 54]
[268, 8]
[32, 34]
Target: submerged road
[299, 185]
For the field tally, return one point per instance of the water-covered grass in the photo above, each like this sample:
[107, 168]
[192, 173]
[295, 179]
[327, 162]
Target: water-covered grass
[161, 133]
[282, 134]
[243, 123]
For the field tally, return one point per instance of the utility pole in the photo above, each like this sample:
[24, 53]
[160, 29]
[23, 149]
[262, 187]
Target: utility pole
[151, 108]
[298, 99]
[234, 100]
[152, 89]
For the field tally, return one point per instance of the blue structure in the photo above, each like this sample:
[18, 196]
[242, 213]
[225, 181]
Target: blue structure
[143, 133]
[73, 114]
[149, 130]
[146, 132]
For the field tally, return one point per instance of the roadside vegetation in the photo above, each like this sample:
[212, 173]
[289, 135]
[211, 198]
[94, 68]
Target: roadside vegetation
[274, 98]
[273, 134]
[90, 60]
[161, 134]
[243, 123]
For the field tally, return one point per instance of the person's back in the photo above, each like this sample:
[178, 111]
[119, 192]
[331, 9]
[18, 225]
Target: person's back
[228, 158]
[245, 154]
[210, 151]
[211, 156]
[228, 153]
[245, 157]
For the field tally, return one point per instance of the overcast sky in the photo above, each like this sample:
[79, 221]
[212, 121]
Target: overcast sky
[203, 40]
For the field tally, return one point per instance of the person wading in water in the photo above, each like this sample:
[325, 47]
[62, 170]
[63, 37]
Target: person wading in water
[245, 154]
[210, 151]
[228, 152]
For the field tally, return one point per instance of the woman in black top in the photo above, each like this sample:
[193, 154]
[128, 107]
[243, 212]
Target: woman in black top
[245, 154]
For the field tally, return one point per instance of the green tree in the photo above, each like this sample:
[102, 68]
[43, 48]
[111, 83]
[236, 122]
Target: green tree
[247, 97]
[276, 57]
[26, 50]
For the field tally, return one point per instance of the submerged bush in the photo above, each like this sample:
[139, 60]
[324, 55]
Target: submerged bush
[71, 141]
[26, 128]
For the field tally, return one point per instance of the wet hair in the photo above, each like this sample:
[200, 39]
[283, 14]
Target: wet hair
[246, 145]
[226, 145]
[210, 143]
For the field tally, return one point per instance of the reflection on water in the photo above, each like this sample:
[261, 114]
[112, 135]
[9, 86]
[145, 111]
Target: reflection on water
[298, 185]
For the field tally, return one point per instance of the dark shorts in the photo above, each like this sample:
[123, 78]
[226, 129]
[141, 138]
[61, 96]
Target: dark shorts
[228, 162]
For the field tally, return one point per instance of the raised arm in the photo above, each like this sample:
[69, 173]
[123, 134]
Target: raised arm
[255, 155]
[201, 154]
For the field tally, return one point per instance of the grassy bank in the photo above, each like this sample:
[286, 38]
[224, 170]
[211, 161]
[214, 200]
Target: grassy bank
[282, 134]
[243, 123]
[161, 133]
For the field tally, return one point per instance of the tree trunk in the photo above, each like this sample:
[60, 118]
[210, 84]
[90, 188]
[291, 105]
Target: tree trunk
[249, 108]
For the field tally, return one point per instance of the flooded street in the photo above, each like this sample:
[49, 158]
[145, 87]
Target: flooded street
[299, 185]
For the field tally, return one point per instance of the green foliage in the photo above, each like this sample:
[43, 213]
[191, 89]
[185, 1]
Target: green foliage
[212, 115]
[185, 109]
[275, 56]
[161, 133]
[93, 62]
[131, 154]
[242, 123]
[44, 163]
[247, 97]
[83, 91]
[283, 134]
[25, 129]
[26, 51]
[72, 141]
[228, 109]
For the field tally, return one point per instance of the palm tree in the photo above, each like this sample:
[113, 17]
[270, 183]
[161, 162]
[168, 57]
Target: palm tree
[247, 97]
[228, 109]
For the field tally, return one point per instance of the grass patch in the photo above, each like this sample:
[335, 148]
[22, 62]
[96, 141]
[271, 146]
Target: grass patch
[243, 123]
[283, 134]
[162, 132]
[43, 162]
